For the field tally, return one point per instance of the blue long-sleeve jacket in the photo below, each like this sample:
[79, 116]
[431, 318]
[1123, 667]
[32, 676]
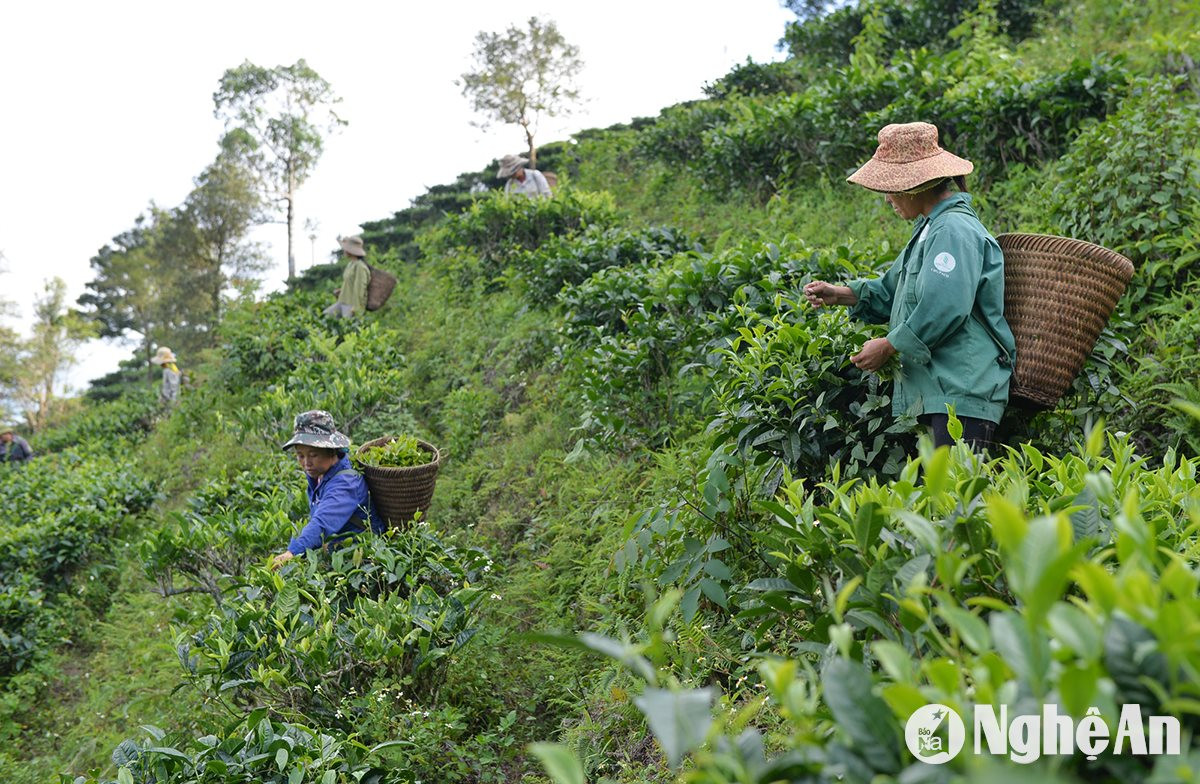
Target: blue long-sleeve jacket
[337, 507]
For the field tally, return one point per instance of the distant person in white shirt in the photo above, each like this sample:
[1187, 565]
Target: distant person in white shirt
[527, 182]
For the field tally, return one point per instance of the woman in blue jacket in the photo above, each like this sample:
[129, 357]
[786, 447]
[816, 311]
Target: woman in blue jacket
[338, 502]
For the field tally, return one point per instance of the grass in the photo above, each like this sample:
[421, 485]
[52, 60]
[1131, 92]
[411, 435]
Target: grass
[120, 674]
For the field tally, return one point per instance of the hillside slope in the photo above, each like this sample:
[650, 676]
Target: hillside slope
[672, 511]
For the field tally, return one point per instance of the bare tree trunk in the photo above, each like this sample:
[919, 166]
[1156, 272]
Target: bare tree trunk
[532, 147]
[148, 344]
[218, 285]
[291, 209]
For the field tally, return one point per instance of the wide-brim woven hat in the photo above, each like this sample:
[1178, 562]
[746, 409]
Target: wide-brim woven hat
[353, 245]
[509, 165]
[908, 155]
[163, 356]
[316, 428]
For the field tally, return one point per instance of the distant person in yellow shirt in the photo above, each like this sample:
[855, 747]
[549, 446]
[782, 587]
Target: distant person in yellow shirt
[168, 393]
[352, 296]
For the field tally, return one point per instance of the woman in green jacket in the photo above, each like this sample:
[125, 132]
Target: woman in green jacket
[352, 296]
[943, 296]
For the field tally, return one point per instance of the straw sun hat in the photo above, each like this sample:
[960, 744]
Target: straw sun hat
[353, 245]
[908, 156]
[509, 165]
[163, 356]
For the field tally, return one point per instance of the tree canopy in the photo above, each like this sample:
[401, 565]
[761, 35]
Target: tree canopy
[283, 115]
[522, 75]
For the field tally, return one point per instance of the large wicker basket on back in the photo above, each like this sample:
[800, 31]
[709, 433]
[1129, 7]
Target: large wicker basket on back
[1058, 295]
[379, 287]
[399, 493]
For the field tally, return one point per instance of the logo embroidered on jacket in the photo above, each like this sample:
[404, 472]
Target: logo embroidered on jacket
[944, 263]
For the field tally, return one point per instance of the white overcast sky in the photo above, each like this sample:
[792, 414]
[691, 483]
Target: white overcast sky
[107, 106]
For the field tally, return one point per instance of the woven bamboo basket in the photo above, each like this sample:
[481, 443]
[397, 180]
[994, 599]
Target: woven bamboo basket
[399, 493]
[379, 288]
[1058, 295]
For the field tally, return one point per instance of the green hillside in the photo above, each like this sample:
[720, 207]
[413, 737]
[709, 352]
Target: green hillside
[678, 536]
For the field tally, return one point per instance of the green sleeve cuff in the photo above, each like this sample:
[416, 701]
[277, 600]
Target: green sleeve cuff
[861, 293]
[909, 345]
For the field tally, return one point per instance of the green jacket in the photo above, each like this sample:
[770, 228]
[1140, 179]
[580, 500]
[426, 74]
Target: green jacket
[355, 279]
[946, 283]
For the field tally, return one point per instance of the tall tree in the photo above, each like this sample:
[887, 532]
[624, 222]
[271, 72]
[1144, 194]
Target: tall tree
[285, 111]
[221, 209]
[42, 359]
[522, 75]
[147, 282]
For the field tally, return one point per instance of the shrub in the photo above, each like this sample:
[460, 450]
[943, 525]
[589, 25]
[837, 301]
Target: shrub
[310, 638]
[230, 524]
[1026, 580]
[1132, 184]
[254, 748]
[56, 514]
[751, 78]
[498, 226]
[348, 375]
[572, 259]
[646, 339]
[677, 136]
[787, 390]
[264, 341]
[125, 420]
[825, 41]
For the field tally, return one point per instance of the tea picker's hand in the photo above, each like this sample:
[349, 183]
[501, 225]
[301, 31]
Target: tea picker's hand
[819, 293]
[281, 559]
[874, 354]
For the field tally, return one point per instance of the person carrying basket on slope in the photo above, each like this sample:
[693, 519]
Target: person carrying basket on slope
[339, 504]
[943, 296]
[168, 393]
[13, 448]
[356, 278]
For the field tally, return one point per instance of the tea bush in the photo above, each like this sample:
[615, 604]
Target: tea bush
[646, 338]
[571, 259]
[348, 375]
[824, 41]
[787, 390]
[1024, 580]
[57, 513]
[254, 748]
[230, 524]
[264, 341]
[483, 239]
[829, 128]
[310, 640]
[1132, 184]
[102, 425]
